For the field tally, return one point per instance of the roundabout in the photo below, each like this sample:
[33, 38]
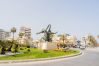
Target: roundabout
[89, 58]
[38, 55]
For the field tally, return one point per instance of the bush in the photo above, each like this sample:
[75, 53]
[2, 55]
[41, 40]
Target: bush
[28, 50]
[45, 51]
[21, 49]
[28, 46]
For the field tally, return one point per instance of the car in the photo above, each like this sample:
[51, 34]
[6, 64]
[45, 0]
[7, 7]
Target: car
[82, 47]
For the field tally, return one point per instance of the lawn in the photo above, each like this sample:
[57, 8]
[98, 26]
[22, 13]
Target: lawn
[37, 53]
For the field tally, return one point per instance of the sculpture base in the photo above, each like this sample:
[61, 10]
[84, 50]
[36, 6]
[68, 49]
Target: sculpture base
[48, 45]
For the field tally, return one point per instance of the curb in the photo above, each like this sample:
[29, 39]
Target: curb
[40, 59]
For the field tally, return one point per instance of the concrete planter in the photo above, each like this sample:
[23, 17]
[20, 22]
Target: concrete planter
[48, 46]
[45, 46]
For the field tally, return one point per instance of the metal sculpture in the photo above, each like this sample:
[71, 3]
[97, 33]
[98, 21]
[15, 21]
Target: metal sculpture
[47, 33]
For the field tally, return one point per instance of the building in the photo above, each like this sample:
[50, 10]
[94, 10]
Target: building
[26, 38]
[84, 41]
[26, 31]
[90, 40]
[67, 39]
[4, 34]
[72, 40]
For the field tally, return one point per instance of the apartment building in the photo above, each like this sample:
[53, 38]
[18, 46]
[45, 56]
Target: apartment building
[4, 34]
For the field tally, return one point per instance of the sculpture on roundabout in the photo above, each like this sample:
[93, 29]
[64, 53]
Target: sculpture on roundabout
[47, 33]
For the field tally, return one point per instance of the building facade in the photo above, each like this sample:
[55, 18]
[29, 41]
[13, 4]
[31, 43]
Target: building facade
[26, 38]
[4, 34]
[26, 31]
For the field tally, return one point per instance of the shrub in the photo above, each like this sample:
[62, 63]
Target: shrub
[45, 51]
[21, 49]
[28, 50]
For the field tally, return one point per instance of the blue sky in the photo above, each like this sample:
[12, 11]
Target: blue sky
[76, 17]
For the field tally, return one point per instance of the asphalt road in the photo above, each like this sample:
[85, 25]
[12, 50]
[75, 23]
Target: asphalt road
[90, 57]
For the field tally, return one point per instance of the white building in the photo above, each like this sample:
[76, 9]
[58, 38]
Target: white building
[83, 41]
[26, 31]
[68, 39]
[72, 40]
[26, 38]
[4, 34]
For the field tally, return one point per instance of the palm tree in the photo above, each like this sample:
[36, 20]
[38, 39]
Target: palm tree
[63, 39]
[13, 30]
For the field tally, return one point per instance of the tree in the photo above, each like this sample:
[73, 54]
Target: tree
[2, 44]
[92, 41]
[8, 44]
[21, 34]
[13, 30]
[97, 36]
[63, 40]
[16, 46]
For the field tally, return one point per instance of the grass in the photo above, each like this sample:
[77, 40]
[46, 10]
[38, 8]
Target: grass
[37, 53]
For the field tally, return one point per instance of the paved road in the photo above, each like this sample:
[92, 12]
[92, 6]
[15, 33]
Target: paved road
[89, 58]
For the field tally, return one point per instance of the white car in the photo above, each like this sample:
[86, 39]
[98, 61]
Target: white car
[82, 47]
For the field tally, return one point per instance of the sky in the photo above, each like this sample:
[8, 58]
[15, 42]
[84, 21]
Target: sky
[75, 17]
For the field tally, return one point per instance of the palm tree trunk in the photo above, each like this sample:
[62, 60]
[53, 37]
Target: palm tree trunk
[13, 36]
[9, 49]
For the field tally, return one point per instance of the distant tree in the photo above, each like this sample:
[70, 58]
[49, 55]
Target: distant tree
[97, 36]
[92, 41]
[62, 40]
[13, 30]
[21, 34]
